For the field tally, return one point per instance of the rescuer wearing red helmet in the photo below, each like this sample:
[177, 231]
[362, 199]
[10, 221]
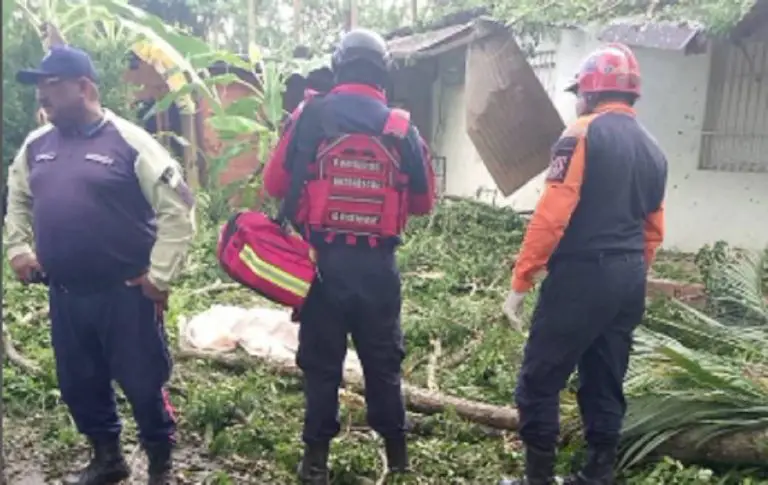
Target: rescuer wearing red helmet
[595, 230]
[366, 169]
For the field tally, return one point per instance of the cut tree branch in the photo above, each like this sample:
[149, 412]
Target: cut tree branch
[739, 448]
[9, 350]
[463, 354]
[15, 358]
[434, 362]
[416, 398]
[384, 467]
[217, 286]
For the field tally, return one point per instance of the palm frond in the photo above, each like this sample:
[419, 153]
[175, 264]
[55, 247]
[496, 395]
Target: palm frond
[696, 375]
[735, 288]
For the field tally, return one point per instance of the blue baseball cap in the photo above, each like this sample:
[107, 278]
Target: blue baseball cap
[64, 62]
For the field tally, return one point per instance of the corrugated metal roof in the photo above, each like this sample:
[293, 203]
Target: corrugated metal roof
[655, 35]
[434, 42]
[402, 47]
[665, 35]
[752, 21]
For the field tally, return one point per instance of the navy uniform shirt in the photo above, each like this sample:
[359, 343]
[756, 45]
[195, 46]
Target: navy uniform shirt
[103, 204]
[349, 108]
[604, 194]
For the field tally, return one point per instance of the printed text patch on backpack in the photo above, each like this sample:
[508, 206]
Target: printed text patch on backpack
[397, 123]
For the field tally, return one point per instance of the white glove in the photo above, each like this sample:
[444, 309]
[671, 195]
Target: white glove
[512, 307]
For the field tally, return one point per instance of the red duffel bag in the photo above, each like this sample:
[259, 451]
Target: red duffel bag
[267, 257]
[267, 254]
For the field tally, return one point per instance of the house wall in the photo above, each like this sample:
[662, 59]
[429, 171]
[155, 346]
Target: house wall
[703, 206]
[242, 166]
[154, 87]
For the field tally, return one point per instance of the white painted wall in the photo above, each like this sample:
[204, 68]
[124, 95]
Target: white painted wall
[702, 206]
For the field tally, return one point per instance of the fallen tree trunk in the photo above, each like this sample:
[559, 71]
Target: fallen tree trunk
[417, 399]
[746, 448]
[428, 402]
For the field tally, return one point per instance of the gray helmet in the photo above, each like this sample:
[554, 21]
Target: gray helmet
[362, 45]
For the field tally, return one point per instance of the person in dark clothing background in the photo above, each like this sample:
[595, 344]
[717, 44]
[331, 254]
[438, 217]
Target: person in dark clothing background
[99, 210]
[299, 90]
[320, 80]
[367, 170]
[596, 229]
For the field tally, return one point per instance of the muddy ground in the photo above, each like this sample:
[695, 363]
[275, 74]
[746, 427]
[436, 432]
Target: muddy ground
[27, 464]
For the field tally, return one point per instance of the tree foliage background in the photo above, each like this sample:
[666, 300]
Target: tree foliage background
[705, 390]
[223, 24]
[22, 49]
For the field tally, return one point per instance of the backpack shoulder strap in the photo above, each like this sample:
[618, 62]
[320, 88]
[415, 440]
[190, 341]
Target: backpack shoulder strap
[397, 123]
[289, 206]
[330, 123]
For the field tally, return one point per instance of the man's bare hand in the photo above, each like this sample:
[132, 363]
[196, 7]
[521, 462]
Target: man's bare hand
[150, 290]
[26, 267]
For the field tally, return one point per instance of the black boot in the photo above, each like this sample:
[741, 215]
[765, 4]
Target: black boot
[313, 469]
[107, 465]
[539, 468]
[160, 463]
[598, 470]
[397, 455]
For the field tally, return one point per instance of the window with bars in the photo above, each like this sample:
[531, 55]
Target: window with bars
[735, 134]
[438, 165]
[544, 66]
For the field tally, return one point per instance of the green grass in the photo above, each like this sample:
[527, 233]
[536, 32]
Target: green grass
[243, 426]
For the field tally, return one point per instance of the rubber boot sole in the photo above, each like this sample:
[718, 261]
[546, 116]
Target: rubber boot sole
[113, 477]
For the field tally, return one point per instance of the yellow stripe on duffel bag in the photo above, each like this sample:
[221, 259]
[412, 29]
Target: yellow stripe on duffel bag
[273, 274]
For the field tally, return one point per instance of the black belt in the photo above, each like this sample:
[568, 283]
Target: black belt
[92, 285]
[597, 256]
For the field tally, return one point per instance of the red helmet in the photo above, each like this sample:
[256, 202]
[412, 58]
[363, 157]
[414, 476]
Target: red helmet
[612, 68]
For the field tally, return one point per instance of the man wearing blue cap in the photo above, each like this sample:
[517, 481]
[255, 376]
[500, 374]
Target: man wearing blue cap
[99, 210]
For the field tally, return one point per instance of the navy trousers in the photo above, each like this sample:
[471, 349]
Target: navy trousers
[107, 333]
[358, 293]
[584, 318]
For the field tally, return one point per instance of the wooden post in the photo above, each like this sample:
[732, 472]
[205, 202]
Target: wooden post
[189, 131]
[162, 128]
[3, 479]
[251, 6]
[297, 21]
[51, 36]
[352, 14]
